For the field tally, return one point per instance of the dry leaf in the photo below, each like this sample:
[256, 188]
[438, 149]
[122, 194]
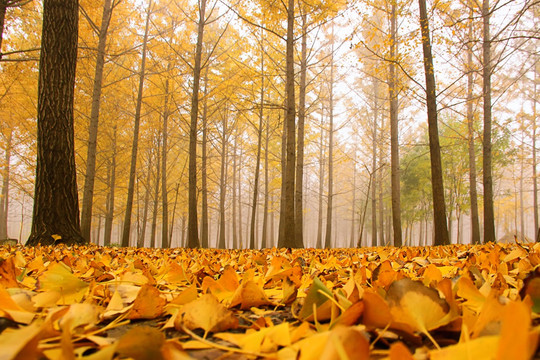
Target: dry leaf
[148, 305]
[206, 313]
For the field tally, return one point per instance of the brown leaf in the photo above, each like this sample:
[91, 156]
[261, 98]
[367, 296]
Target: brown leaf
[141, 343]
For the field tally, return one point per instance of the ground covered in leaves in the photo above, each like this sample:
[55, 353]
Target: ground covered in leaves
[455, 302]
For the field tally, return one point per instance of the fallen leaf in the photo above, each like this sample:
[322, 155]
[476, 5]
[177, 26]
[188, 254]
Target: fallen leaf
[59, 279]
[248, 295]
[141, 343]
[148, 304]
[206, 313]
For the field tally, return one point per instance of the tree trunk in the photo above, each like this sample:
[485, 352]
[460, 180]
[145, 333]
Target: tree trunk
[135, 145]
[90, 175]
[156, 197]
[193, 236]
[374, 163]
[489, 218]
[234, 204]
[475, 226]
[164, 192]
[329, 204]
[258, 160]
[56, 204]
[299, 209]
[535, 180]
[439, 206]
[204, 166]
[4, 198]
[142, 234]
[321, 183]
[264, 240]
[173, 216]
[394, 133]
[240, 242]
[287, 235]
[353, 202]
[109, 217]
[222, 185]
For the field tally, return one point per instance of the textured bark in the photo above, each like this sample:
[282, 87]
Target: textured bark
[439, 206]
[287, 235]
[475, 224]
[109, 216]
[56, 203]
[135, 145]
[299, 209]
[4, 198]
[489, 216]
[90, 174]
[394, 133]
[193, 235]
[204, 162]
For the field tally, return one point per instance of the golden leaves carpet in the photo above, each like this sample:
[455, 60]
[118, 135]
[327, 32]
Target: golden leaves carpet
[90, 302]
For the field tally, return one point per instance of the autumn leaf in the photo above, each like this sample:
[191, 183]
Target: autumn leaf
[141, 343]
[248, 295]
[148, 304]
[59, 280]
[206, 313]
[317, 295]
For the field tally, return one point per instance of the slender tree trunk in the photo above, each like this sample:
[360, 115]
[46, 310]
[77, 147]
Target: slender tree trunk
[489, 218]
[258, 160]
[109, 217]
[164, 192]
[90, 175]
[321, 184]
[374, 163]
[240, 202]
[439, 206]
[381, 194]
[475, 225]
[222, 185]
[204, 166]
[299, 209]
[264, 240]
[142, 234]
[234, 203]
[353, 203]
[173, 216]
[56, 203]
[329, 207]
[135, 145]
[535, 179]
[521, 207]
[156, 197]
[4, 199]
[287, 235]
[394, 132]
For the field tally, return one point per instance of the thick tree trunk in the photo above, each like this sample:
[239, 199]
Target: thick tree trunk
[193, 236]
[90, 175]
[4, 198]
[109, 216]
[56, 204]
[287, 236]
[298, 200]
[439, 206]
[135, 145]
[204, 165]
[489, 217]
[394, 133]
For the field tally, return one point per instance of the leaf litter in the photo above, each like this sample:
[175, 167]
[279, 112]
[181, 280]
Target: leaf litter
[102, 303]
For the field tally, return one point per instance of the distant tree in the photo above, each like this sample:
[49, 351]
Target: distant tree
[56, 205]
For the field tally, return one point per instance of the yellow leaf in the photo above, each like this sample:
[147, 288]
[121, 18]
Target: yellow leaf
[58, 278]
[206, 313]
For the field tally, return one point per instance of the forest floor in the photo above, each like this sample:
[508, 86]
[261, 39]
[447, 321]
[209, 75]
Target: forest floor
[91, 302]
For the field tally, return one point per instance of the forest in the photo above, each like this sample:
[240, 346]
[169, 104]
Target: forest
[256, 124]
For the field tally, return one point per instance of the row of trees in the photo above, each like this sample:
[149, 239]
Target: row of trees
[192, 118]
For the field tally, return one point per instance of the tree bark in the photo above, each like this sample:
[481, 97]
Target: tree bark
[193, 235]
[204, 165]
[394, 132]
[142, 233]
[489, 216]
[90, 175]
[55, 216]
[135, 145]
[439, 206]
[287, 236]
[4, 199]
[164, 192]
[299, 209]
[234, 202]
[156, 196]
[264, 238]
[329, 204]
[374, 163]
[222, 185]
[321, 183]
[535, 180]
[109, 216]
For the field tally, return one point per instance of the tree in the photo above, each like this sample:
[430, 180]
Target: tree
[55, 216]
[439, 207]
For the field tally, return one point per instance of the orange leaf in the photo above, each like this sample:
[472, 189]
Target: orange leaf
[206, 313]
[248, 295]
[514, 342]
[398, 351]
[141, 343]
[148, 304]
